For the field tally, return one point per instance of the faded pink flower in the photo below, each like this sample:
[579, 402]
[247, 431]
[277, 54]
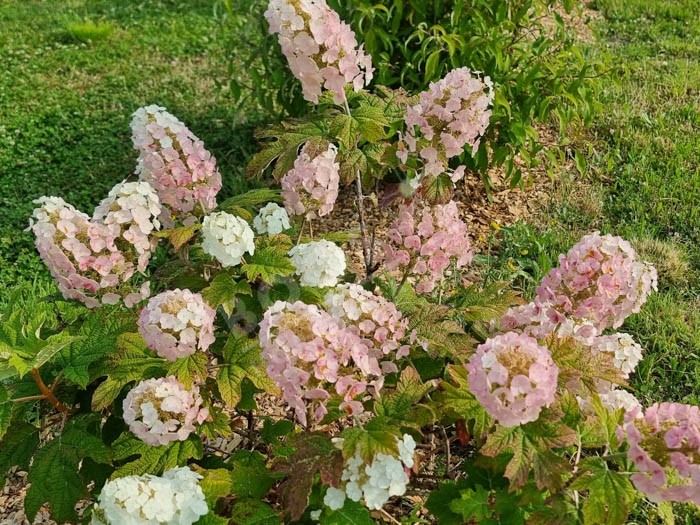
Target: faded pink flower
[175, 162]
[322, 50]
[177, 323]
[159, 411]
[451, 115]
[664, 445]
[598, 281]
[513, 377]
[425, 241]
[91, 261]
[311, 187]
[310, 354]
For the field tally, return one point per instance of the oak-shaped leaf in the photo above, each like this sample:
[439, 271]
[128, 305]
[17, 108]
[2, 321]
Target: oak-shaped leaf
[55, 475]
[314, 455]
[610, 493]
[139, 458]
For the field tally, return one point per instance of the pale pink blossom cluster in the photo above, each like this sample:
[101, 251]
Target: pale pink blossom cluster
[321, 49]
[452, 114]
[664, 445]
[311, 187]
[131, 212]
[175, 162]
[90, 260]
[376, 319]
[423, 242]
[162, 410]
[513, 377]
[177, 323]
[627, 353]
[311, 353]
[598, 281]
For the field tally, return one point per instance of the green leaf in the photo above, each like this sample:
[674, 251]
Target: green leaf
[241, 360]
[223, 291]
[314, 454]
[439, 502]
[132, 361]
[180, 236]
[97, 339]
[402, 405]
[610, 494]
[6, 409]
[377, 436]
[215, 483]
[249, 475]
[457, 400]
[54, 475]
[472, 505]
[17, 448]
[153, 460]
[253, 512]
[351, 513]
[252, 198]
[189, 369]
[270, 259]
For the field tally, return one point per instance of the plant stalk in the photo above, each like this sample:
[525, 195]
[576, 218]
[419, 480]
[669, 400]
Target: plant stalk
[47, 393]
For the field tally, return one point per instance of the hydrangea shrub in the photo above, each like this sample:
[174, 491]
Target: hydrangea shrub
[271, 380]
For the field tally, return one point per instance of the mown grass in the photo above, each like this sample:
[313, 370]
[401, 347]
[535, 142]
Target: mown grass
[73, 72]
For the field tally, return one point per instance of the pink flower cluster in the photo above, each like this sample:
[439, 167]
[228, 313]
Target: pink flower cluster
[453, 113]
[599, 281]
[376, 319]
[424, 243]
[161, 410]
[513, 377]
[310, 353]
[131, 211]
[176, 323]
[597, 285]
[175, 162]
[321, 49]
[664, 444]
[92, 259]
[311, 187]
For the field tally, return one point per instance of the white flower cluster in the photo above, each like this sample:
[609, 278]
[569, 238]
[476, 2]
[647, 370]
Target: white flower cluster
[611, 399]
[376, 483]
[627, 352]
[172, 499]
[226, 238]
[318, 263]
[132, 204]
[271, 219]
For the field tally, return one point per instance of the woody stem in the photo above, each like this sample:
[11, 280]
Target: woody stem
[47, 393]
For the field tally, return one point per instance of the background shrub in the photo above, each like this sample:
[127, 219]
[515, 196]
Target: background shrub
[540, 73]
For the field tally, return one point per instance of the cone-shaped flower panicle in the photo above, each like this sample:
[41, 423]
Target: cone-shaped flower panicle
[321, 49]
[452, 115]
[91, 261]
[425, 241]
[599, 280]
[311, 187]
[175, 162]
[310, 355]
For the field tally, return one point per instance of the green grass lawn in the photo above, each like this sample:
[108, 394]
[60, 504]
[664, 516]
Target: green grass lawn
[72, 73]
